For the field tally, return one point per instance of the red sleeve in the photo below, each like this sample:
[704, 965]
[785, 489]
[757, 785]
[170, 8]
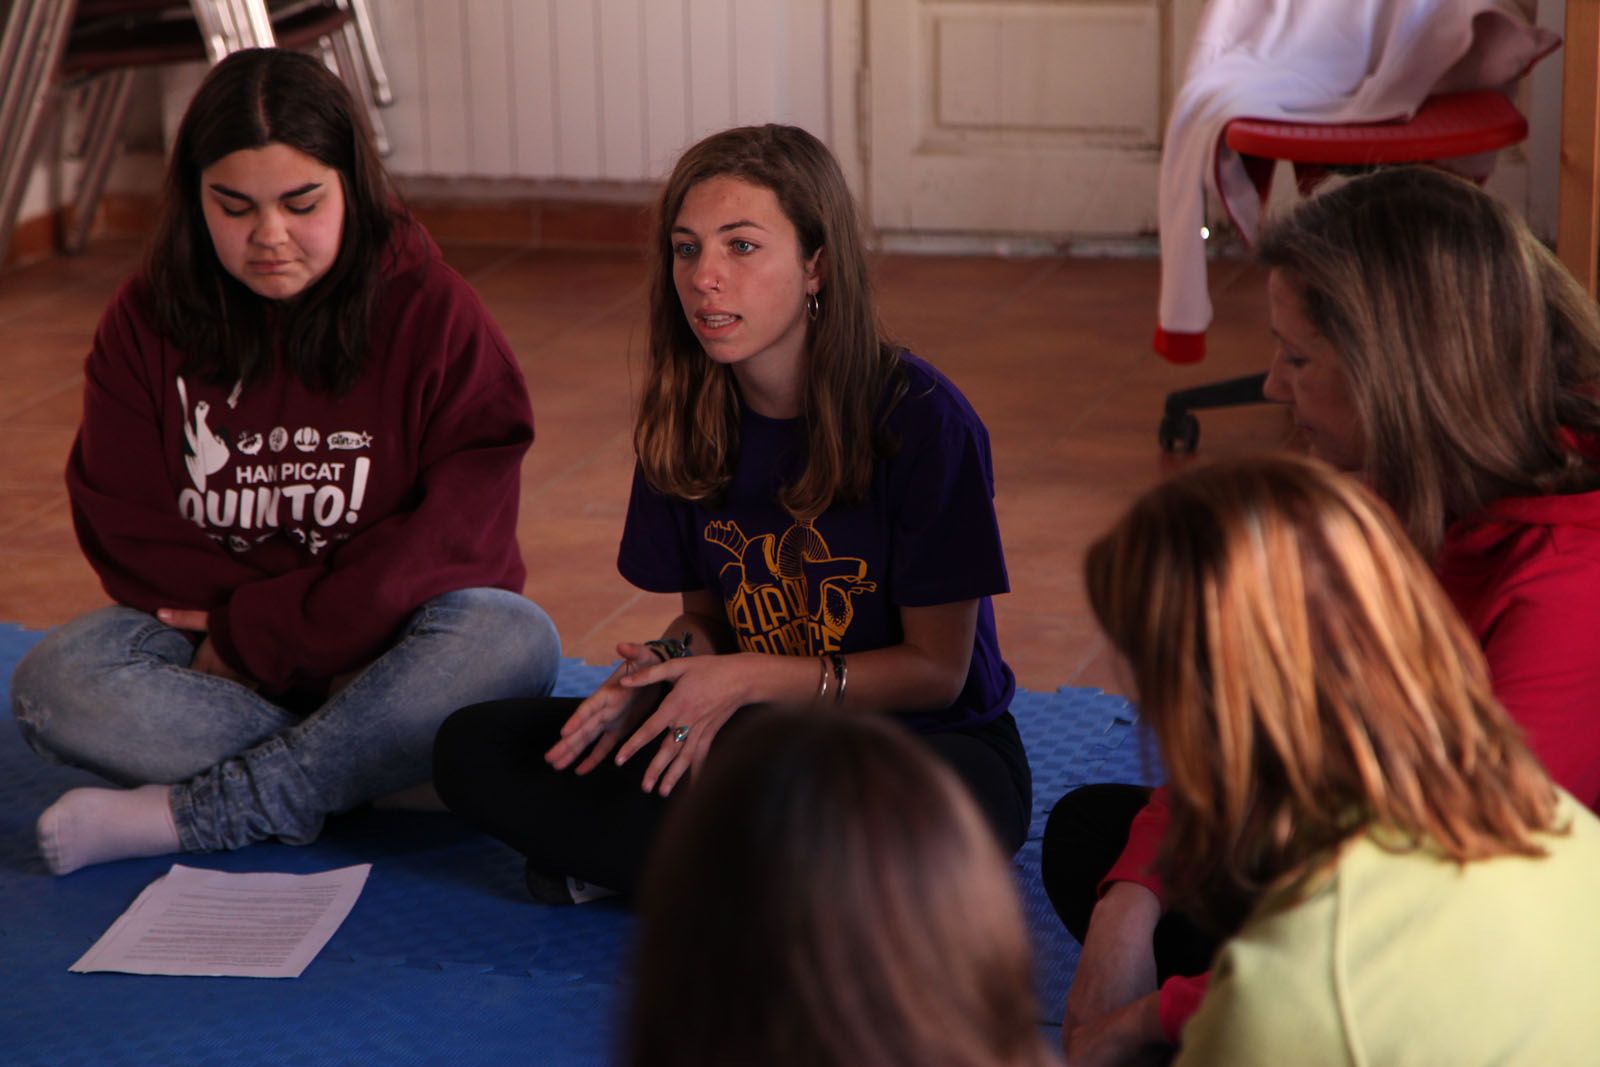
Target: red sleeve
[145, 552]
[1179, 999]
[316, 622]
[1139, 854]
[1544, 658]
[1180, 995]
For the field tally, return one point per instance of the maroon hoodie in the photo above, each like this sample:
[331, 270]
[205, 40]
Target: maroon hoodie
[309, 525]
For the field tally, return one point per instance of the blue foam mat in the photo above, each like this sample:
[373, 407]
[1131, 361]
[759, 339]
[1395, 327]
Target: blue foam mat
[443, 959]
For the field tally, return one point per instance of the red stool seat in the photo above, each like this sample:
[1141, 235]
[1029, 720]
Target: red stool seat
[1445, 127]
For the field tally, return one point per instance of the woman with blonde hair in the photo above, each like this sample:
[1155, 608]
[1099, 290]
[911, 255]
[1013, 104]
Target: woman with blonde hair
[1405, 881]
[828, 895]
[1428, 343]
[820, 501]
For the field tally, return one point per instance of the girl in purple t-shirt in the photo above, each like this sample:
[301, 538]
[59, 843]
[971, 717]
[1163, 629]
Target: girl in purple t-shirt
[822, 502]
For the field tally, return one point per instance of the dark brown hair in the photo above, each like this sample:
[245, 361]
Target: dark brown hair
[1472, 356]
[828, 895]
[251, 99]
[687, 432]
[1305, 677]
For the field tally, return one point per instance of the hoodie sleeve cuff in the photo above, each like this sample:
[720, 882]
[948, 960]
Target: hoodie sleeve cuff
[221, 635]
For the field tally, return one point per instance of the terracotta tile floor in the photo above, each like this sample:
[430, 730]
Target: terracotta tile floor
[1052, 352]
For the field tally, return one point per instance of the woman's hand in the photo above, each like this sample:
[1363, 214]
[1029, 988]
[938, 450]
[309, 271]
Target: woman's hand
[705, 693]
[1112, 1013]
[206, 660]
[607, 714]
[1128, 1037]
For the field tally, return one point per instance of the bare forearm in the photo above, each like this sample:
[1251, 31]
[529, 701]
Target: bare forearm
[1113, 1013]
[926, 670]
[899, 678]
[1118, 964]
[1131, 1036]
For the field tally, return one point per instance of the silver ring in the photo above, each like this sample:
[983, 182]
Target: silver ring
[680, 734]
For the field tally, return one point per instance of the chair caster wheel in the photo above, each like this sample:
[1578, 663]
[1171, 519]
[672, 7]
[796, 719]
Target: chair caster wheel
[1179, 433]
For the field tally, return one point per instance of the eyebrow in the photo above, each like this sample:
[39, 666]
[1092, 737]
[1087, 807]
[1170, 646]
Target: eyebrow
[1289, 346]
[300, 190]
[725, 227]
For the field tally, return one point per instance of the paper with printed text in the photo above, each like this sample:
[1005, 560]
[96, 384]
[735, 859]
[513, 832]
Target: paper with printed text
[213, 923]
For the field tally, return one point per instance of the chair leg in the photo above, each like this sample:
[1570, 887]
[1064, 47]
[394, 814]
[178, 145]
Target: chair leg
[34, 37]
[377, 75]
[19, 40]
[257, 20]
[106, 106]
[31, 46]
[1180, 430]
[347, 63]
[229, 25]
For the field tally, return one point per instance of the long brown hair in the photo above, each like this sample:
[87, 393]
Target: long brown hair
[687, 432]
[253, 98]
[828, 895]
[1305, 677]
[1472, 356]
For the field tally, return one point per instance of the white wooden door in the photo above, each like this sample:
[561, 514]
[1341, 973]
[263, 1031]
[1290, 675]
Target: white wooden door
[1029, 117]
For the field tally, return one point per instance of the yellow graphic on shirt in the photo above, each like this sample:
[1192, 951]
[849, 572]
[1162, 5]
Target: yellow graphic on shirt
[788, 595]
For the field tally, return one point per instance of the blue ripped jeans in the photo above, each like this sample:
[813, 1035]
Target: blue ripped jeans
[111, 692]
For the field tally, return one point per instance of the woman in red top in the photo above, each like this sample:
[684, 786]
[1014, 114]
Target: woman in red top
[1430, 343]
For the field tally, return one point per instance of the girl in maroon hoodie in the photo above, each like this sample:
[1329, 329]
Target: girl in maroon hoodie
[297, 477]
[1429, 342]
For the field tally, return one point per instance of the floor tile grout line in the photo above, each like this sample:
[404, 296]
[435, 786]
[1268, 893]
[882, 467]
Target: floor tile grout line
[39, 399]
[600, 629]
[53, 503]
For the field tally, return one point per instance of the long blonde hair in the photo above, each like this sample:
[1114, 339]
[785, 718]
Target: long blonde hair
[687, 431]
[1472, 356]
[1304, 676]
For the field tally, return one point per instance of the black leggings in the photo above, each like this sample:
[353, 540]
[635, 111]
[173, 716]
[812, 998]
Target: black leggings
[489, 768]
[1086, 832]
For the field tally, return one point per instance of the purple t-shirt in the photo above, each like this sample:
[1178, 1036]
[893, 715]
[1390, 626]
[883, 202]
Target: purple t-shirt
[925, 535]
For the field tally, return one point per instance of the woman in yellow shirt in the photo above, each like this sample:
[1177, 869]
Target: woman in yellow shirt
[1407, 883]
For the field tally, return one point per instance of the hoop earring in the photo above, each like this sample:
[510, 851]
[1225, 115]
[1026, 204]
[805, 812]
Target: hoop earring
[813, 306]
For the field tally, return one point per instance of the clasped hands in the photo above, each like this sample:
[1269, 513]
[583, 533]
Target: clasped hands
[206, 660]
[628, 712]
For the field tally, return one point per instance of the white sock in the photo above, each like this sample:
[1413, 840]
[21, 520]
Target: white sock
[89, 826]
[583, 892]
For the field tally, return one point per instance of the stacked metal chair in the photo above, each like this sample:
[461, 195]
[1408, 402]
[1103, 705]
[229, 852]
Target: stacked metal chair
[54, 48]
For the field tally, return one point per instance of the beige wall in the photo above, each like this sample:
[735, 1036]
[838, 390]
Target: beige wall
[593, 90]
[599, 94]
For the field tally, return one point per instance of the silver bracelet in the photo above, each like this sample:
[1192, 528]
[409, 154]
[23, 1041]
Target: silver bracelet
[822, 683]
[841, 675]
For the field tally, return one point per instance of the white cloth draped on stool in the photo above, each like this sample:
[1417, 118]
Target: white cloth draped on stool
[1323, 61]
